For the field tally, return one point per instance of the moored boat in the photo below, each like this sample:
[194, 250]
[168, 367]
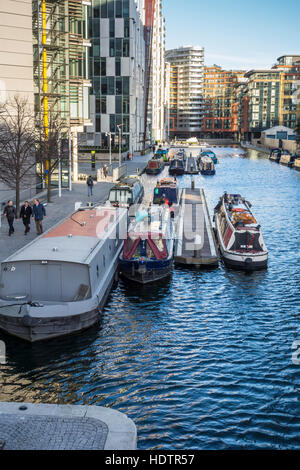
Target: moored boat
[126, 192]
[297, 164]
[59, 283]
[211, 154]
[239, 236]
[148, 251]
[166, 190]
[206, 166]
[287, 159]
[176, 167]
[276, 154]
[155, 166]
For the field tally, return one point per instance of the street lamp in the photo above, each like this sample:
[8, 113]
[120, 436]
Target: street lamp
[120, 141]
[108, 134]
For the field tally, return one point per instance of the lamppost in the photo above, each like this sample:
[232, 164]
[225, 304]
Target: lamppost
[119, 126]
[108, 134]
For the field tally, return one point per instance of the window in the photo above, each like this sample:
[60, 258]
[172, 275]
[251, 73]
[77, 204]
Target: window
[125, 8]
[111, 28]
[112, 47]
[126, 28]
[97, 67]
[103, 66]
[119, 8]
[118, 67]
[98, 124]
[118, 104]
[119, 86]
[125, 47]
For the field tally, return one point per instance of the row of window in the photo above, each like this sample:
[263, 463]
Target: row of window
[111, 9]
[122, 104]
[111, 86]
[114, 121]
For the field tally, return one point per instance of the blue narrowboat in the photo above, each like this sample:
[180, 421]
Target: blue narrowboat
[148, 252]
[206, 166]
[211, 154]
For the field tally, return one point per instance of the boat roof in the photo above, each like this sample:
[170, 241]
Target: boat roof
[126, 183]
[166, 182]
[74, 239]
[158, 226]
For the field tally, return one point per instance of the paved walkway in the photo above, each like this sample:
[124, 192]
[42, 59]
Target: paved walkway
[59, 208]
[26, 426]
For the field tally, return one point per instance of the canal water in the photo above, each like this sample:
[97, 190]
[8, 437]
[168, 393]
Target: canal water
[202, 360]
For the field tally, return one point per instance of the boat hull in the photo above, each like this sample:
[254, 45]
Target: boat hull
[176, 172]
[246, 262]
[208, 172]
[147, 272]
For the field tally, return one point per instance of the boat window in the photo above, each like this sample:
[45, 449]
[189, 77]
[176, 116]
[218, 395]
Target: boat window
[149, 252]
[160, 244]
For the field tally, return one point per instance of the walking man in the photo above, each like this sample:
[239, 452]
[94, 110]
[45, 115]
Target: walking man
[39, 213]
[25, 214]
[10, 214]
[90, 184]
[105, 171]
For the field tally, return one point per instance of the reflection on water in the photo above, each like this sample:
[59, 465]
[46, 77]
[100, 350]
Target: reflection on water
[202, 360]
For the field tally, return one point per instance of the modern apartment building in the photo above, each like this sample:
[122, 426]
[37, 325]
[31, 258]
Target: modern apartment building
[218, 101]
[186, 101]
[157, 89]
[289, 65]
[16, 55]
[61, 84]
[117, 70]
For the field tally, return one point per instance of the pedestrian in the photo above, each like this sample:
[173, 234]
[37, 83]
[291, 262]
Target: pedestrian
[105, 171]
[10, 214]
[39, 213]
[25, 214]
[90, 184]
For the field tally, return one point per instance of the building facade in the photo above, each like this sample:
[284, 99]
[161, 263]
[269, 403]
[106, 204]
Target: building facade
[60, 68]
[218, 99]
[16, 54]
[156, 104]
[117, 70]
[186, 91]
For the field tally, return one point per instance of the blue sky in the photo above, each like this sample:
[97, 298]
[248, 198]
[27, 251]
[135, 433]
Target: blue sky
[235, 34]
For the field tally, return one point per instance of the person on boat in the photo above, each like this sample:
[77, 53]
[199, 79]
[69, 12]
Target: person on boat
[38, 214]
[90, 184]
[25, 215]
[10, 214]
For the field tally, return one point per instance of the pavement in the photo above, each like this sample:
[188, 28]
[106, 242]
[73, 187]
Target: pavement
[61, 207]
[27, 426]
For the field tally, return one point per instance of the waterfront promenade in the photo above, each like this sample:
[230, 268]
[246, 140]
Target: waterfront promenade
[61, 207]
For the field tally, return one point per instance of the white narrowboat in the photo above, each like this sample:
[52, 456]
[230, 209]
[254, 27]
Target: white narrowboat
[59, 283]
[239, 236]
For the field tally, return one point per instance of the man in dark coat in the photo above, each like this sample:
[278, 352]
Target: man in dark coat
[25, 215]
[90, 184]
[10, 214]
[39, 213]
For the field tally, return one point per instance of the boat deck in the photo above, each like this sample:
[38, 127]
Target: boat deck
[191, 167]
[195, 244]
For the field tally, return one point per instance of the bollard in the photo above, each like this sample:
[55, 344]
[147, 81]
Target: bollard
[193, 184]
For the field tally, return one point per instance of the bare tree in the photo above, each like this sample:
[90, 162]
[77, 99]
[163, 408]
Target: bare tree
[17, 144]
[48, 150]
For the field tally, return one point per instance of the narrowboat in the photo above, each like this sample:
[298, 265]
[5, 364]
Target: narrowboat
[287, 159]
[211, 154]
[127, 192]
[155, 166]
[166, 190]
[148, 251]
[206, 166]
[176, 167]
[297, 164]
[59, 283]
[276, 154]
[163, 153]
[239, 236]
